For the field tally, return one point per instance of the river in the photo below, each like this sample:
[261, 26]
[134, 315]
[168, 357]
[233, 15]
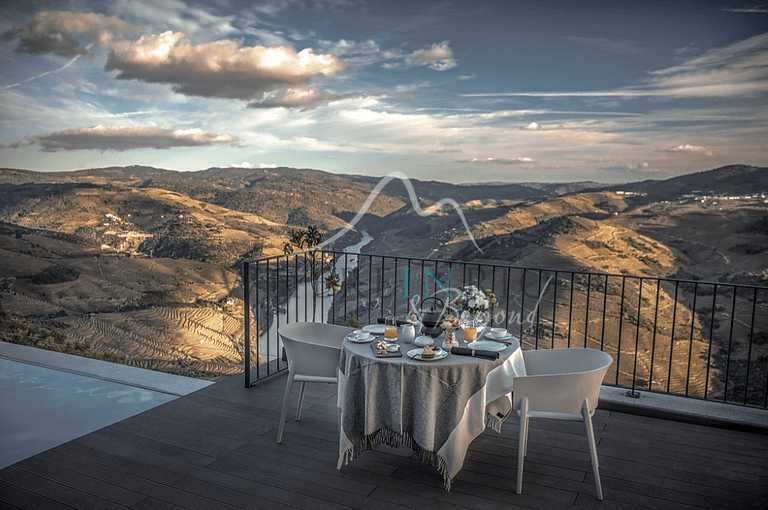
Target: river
[301, 306]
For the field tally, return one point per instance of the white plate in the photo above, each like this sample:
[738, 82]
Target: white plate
[487, 345]
[416, 354]
[375, 329]
[354, 338]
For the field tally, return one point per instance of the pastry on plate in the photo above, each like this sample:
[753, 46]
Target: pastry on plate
[427, 352]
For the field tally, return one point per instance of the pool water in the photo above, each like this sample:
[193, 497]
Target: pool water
[43, 407]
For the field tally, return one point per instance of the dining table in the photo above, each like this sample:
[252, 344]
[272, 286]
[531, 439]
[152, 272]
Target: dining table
[436, 407]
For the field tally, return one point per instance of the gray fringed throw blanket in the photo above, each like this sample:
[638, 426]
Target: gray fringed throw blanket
[435, 408]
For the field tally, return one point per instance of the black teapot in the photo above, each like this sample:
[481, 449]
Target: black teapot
[432, 318]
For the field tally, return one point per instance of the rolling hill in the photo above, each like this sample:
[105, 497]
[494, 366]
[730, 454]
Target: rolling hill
[143, 263]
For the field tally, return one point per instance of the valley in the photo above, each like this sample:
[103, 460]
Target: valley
[145, 263]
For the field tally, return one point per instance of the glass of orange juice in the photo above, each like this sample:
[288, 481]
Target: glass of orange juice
[470, 330]
[390, 327]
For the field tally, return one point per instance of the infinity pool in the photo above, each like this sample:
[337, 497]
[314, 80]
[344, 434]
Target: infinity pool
[43, 407]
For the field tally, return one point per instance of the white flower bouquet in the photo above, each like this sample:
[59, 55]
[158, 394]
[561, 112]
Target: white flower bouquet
[475, 301]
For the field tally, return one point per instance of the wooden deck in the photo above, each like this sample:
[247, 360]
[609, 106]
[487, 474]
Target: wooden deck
[215, 449]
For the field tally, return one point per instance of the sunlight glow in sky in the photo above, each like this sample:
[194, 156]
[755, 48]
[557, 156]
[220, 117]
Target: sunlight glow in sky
[509, 91]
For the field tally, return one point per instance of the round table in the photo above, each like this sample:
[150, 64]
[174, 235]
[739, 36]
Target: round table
[437, 408]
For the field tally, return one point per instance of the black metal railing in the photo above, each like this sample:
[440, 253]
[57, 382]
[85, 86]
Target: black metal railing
[706, 340]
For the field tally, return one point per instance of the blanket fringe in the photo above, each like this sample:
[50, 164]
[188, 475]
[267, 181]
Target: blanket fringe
[395, 439]
[493, 422]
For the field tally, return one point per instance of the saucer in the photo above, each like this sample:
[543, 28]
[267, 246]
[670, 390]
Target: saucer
[356, 339]
[508, 336]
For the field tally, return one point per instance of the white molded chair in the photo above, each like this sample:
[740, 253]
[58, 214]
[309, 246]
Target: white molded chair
[313, 350]
[561, 384]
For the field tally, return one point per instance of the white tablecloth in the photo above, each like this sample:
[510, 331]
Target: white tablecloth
[437, 408]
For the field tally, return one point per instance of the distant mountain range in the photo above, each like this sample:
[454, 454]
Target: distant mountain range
[144, 263]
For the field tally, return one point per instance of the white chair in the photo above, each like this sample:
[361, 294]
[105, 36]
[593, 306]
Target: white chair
[313, 350]
[561, 384]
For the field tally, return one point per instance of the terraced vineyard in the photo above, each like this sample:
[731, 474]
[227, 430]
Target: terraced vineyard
[191, 341]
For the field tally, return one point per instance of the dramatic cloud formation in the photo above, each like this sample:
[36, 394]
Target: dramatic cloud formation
[475, 91]
[223, 69]
[121, 138]
[52, 32]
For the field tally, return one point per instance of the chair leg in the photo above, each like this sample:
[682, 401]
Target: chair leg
[301, 400]
[522, 443]
[525, 442]
[287, 397]
[592, 448]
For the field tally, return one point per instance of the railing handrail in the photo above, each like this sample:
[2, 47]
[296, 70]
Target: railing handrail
[508, 265]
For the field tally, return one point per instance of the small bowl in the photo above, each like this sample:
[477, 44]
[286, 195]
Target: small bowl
[392, 347]
[498, 333]
[362, 334]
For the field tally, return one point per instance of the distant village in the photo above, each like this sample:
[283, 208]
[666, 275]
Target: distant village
[710, 198]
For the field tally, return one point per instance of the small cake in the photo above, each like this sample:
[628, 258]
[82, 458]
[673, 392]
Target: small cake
[414, 317]
[427, 352]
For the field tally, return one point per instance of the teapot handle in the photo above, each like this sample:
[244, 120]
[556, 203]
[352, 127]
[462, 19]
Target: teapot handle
[436, 300]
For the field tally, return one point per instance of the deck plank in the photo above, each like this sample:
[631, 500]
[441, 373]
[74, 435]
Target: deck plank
[216, 448]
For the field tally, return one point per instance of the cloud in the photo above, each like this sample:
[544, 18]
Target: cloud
[696, 149]
[445, 151]
[636, 169]
[53, 31]
[438, 57]
[757, 9]
[738, 70]
[498, 161]
[121, 138]
[222, 69]
[612, 45]
[533, 126]
[358, 53]
[246, 164]
[298, 98]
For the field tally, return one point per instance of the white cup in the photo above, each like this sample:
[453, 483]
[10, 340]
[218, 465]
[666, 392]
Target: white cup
[498, 332]
[362, 334]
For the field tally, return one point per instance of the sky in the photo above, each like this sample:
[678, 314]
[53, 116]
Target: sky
[454, 91]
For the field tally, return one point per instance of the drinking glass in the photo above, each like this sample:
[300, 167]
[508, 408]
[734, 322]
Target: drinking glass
[390, 327]
[470, 330]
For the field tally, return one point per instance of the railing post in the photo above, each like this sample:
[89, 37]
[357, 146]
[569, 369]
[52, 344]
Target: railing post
[247, 317]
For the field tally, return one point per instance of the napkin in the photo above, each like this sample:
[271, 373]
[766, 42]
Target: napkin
[477, 353]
